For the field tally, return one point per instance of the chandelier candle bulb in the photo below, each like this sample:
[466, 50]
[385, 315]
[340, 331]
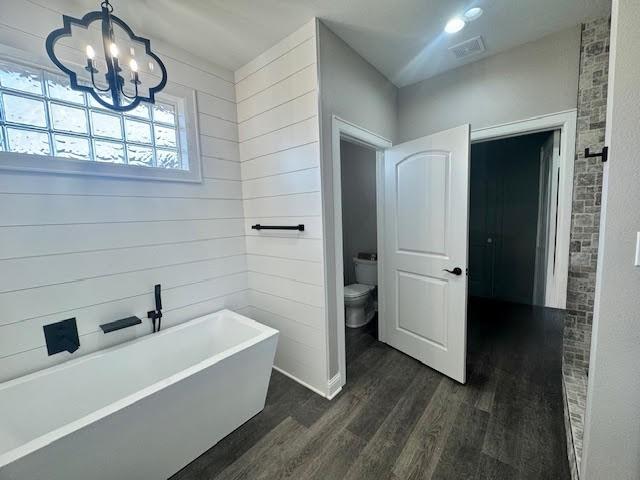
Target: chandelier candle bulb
[133, 65]
[91, 54]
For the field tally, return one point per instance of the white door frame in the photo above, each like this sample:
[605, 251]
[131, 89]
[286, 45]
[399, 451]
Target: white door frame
[566, 122]
[344, 130]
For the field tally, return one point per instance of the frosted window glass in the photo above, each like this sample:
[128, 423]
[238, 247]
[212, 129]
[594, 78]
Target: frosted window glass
[93, 103]
[41, 114]
[25, 111]
[59, 89]
[141, 156]
[168, 159]
[138, 132]
[28, 141]
[110, 152]
[165, 137]
[141, 111]
[72, 147]
[106, 125]
[69, 119]
[19, 78]
[164, 114]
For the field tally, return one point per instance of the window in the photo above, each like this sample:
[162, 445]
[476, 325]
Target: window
[46, 124]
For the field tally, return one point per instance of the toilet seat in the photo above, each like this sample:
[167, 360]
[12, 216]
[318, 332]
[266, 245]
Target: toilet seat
[356, 290]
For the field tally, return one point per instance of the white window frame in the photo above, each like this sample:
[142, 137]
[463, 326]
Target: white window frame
[184, 100]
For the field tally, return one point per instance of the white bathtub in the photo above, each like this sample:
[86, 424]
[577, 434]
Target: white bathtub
[138, 411]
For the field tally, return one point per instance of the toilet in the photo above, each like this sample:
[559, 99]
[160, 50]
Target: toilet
[358, 297]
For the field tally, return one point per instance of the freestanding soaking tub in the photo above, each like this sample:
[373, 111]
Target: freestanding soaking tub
[138, 411]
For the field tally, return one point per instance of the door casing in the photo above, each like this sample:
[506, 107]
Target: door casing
[344, 130]
[566, 122]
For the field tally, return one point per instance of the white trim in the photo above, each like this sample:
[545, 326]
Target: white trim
[183, 98]
[301, 382]
[342, 129]
[566, 122]
[334, 387]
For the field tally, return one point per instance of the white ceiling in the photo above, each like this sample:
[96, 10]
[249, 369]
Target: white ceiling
[401, 38]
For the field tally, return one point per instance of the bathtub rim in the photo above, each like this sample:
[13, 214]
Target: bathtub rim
[265, 332]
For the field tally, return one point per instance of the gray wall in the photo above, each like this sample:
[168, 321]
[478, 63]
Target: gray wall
[359, 221]
[355, 91]
[538, 78]
[612, 429]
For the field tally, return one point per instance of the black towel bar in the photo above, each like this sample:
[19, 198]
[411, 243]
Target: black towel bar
[299, 227]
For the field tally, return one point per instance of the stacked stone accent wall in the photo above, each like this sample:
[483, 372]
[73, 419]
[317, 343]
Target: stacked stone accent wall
[585, 226]
[587, 193]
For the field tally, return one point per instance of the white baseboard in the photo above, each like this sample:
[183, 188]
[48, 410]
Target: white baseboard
[335, 386]
[301, 382]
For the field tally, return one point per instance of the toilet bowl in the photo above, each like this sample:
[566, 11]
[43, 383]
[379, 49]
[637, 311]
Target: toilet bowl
[358, 304]
[358, 297]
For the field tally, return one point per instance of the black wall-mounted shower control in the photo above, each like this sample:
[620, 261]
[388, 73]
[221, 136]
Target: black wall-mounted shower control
[62, 336]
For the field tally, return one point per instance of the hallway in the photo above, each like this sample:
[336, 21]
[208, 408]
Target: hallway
[397, 419]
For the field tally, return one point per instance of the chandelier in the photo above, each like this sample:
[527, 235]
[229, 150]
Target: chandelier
[120, 70]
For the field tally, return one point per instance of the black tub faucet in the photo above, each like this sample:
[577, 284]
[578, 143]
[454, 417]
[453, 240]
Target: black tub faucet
[157, 313]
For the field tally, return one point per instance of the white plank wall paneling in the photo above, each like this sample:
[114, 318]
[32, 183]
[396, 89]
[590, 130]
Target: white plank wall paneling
[93, 248]
[278, 132]
[291, 160]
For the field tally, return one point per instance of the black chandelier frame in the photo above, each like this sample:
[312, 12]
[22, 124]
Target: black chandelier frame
[115, 80]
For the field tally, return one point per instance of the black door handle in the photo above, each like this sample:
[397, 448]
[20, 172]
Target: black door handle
[455, 271]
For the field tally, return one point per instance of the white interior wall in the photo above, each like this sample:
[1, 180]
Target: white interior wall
[355, 91]
[93, 248]
[359, 219]
[537, 78]
[277, 95]
[612, 425]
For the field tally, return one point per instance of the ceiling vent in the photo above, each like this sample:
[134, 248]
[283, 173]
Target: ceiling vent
[473, 46]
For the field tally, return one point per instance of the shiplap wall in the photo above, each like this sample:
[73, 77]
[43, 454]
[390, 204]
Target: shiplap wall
[93, 248]
[278, 129]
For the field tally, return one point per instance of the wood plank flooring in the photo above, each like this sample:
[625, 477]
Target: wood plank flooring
[397, 419]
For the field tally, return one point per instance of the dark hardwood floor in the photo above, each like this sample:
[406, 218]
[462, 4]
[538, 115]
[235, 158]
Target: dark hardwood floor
[397, 419]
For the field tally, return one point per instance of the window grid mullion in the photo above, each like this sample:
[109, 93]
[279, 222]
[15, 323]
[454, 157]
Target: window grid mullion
[153, 138]
[90, 128]
[123, 134]
[49, 117]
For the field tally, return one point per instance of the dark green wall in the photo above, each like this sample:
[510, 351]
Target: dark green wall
[505, 177]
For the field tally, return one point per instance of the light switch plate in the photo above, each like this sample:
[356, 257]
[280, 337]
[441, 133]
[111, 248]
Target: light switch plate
[638, 250]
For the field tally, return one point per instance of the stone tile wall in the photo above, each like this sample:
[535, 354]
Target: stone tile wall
[585, 225]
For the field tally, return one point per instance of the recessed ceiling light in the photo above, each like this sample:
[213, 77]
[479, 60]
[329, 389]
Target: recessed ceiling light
[454, 25]
[473, 14]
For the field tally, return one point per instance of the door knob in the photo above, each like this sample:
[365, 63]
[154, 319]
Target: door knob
[455, 271]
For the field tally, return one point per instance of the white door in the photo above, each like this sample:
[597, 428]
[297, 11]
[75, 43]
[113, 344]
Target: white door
[425, 232]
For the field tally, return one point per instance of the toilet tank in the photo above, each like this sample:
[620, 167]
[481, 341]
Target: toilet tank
[366, 271]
